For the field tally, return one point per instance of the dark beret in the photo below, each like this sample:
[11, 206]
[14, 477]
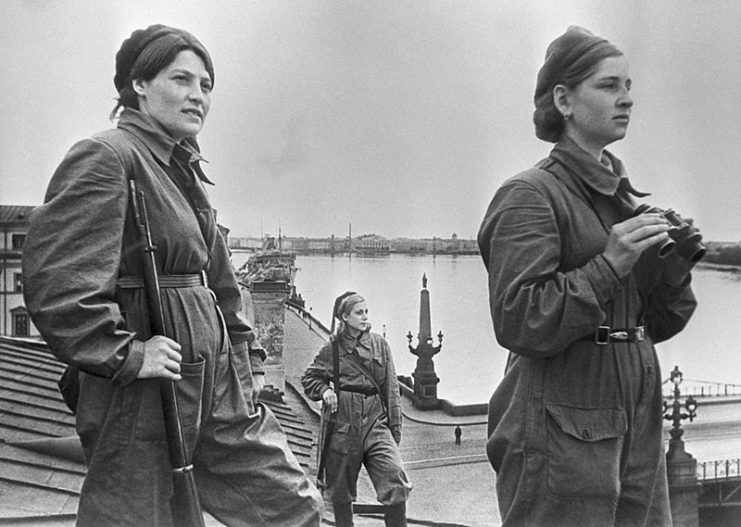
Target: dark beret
[576, 45]
[568, 60]
[133, 46]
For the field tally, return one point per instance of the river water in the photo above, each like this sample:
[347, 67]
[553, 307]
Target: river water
[470, 363]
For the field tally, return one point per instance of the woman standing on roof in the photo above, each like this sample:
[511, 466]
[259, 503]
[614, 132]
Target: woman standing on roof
[84, 287]
[579, 295]
[365, 399]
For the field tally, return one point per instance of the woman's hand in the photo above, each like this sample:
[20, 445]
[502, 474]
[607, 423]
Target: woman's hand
[258, 385]
[330, 399]
[162, 358]
[631, 237]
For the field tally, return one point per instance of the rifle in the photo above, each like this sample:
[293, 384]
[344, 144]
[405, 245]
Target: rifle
[186, 508]
[328, 420]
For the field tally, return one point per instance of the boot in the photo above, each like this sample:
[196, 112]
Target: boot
[343, 514]
[396, 515]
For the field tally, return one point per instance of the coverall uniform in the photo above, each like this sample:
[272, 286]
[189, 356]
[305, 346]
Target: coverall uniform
[575, 426]
[363, 434]
[82, 262]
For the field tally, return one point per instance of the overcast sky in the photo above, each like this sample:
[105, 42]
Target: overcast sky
[402, 117]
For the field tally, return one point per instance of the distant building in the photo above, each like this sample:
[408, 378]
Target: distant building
[371, 244]
[13, 228]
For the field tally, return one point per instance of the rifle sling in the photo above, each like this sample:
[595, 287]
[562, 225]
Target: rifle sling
[354, 361]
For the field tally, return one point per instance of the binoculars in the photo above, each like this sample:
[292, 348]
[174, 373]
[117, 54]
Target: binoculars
[682, 236]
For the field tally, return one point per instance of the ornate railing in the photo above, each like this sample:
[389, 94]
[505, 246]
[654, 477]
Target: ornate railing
[699, 389]
[720, 469]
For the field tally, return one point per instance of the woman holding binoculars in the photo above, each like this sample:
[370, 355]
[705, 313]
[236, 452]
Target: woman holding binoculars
[579, 294]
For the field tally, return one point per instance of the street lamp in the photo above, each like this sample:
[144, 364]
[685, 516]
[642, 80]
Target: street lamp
[676, 416]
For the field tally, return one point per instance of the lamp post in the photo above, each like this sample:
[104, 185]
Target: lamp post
[677, 416]
[681, 467]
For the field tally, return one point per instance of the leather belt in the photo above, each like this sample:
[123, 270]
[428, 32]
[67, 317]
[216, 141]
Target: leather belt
[360, 389]
[605, 334]
[166, 281]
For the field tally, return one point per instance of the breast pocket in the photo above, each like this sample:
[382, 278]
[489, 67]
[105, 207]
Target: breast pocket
[584, 446]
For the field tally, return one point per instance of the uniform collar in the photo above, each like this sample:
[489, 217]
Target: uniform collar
[604, 177]
[159, 142]
[363, 340]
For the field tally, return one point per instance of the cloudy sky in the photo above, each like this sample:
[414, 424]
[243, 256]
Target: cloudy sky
[401, 118]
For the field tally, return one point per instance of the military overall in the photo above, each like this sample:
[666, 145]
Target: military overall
[82, 270]
[365, 434]
[575, 427]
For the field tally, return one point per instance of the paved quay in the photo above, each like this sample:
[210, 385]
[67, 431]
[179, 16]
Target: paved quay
[453, 484]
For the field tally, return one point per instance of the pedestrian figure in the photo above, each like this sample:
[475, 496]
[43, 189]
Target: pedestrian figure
[365, 406]
[85, 290]
[458, 433]
[579, 295]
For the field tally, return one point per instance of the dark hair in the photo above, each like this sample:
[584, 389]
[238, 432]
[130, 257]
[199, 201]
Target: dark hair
[147, 52]
[570, 59]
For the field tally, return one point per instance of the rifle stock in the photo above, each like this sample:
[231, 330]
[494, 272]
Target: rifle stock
[186, 507]
[326, 429]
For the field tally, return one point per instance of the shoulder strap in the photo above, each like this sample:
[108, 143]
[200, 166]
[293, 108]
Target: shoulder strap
[336, 364]
[353, 361]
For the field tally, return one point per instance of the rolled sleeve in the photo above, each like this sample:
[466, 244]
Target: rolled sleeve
[132, 364]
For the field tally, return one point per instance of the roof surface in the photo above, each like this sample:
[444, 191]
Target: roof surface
[41, 464]
[15, 213]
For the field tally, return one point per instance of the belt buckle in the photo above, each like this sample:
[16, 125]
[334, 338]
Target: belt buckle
[622, 336]
[639, 333]
[204, 278]
[602, 335]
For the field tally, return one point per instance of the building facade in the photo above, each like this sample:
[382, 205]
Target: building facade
[14, 321]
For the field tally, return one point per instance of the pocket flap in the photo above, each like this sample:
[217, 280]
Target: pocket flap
[589, 424]
[341, 428]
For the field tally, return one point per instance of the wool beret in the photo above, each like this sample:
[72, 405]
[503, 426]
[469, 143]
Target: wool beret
[569, 59]
[577, 45]
[133, 46]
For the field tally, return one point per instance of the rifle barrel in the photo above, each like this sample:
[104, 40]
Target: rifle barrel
[186, 507]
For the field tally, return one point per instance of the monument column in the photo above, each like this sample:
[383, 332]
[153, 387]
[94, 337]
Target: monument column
[425, 378]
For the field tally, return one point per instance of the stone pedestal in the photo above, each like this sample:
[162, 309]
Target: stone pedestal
[425, 390]
[269, 300]
[684, 489]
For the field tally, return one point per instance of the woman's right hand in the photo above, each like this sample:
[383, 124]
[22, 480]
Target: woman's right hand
[330, 399]
[162, 359]
[628, 239]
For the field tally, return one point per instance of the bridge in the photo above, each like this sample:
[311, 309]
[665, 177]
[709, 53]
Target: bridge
[701, 389]
[721, 483]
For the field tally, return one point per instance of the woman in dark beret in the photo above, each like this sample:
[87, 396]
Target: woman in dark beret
[579, 296]
[84, 286]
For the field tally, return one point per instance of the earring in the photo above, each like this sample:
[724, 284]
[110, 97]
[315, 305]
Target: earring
[566, 116]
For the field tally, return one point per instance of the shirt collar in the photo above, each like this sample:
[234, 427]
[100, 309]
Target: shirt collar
[363, 340]
[159, 142]
[602, 177]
